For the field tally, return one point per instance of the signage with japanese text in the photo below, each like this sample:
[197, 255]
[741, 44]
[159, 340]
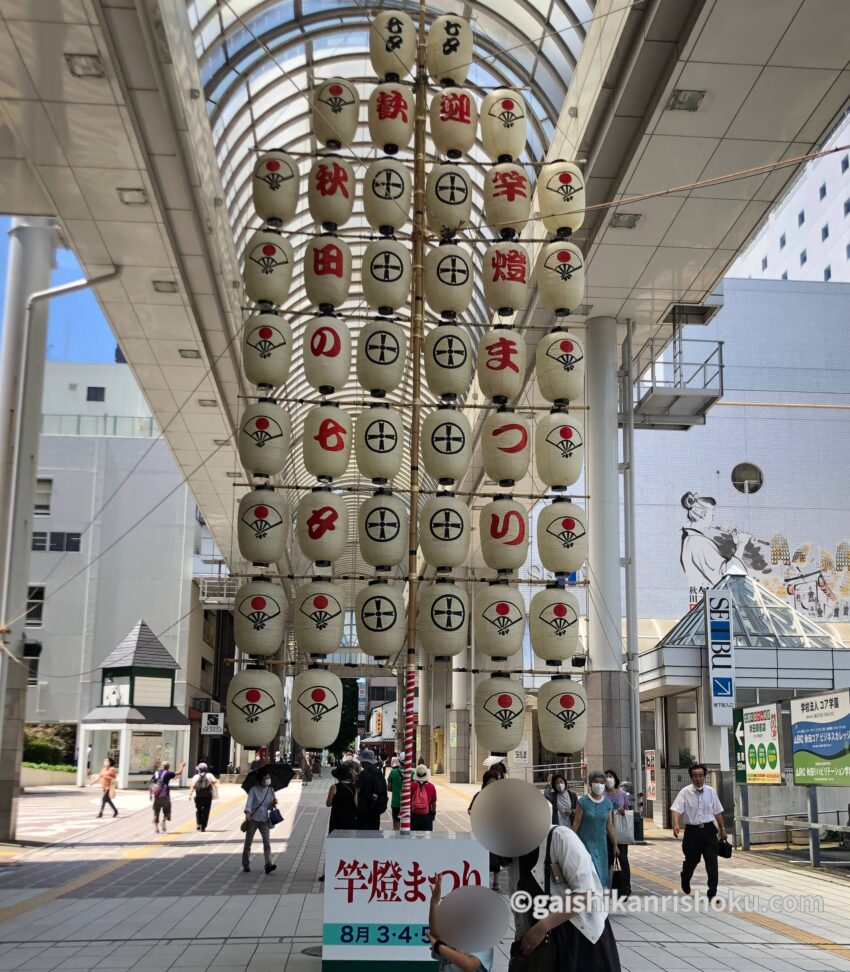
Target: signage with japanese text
[758, 754]
[721, 659]
[212, 723]
[649, 770]
[820, 739]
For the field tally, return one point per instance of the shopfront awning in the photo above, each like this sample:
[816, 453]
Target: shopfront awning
[143, 714]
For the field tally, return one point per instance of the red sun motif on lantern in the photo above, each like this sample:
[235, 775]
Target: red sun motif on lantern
[318, 701]
[253, 702]
[265, 340]
[505, 707]
[321, 609]
[567, 708]
[259, 610]
[503, 615]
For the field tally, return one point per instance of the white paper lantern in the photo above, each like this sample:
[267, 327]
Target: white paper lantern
[318, 616]
[560, 276]
[268, 267]
[448, 198]
[561, 197]
[379, 442]
[265, 438]
[553, 619]
[391, 116]
[382, 529]
[327, 441]
[322, 525]
[254, 707]
[560, 366]
[499, 620]
[386, 275]
[392, 44]
[330, 191]
[336, 111]
[506, 446]
[454, 120]
[275, 186]
[449, 52]
[503, 526]
[316, 709]
[499, 714]
[562, 715]
[381, 356]
[448, 360]
[506, 277]
[448, 279]
[260, 529]
[562, 537]
[387, 194]
[266, 349]
[501, 363]
[259, 617]
[444, 530]
[442, 619]
[559, 448]
[379, 617]
[326, 353]
[327, 272]
[503, 124]
[446, 442]
[507, 198]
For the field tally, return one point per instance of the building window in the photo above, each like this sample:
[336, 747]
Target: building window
[64, 542]
[803, 257]
[39, 540]
[764, 263]
[35, 607]
[827, 273]
[801, 217]
[43, 496]
[822, 191]
[824, 231]
[32, 653]
[747, 478]
[845, 164]
[784, 274]
[95, 393]
[782, 242]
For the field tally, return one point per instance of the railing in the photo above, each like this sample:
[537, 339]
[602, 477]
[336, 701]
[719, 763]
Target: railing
[661, 364]
[125, 426]
[218, 588]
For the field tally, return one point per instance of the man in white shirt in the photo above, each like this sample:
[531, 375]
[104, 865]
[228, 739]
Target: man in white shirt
[698, 807]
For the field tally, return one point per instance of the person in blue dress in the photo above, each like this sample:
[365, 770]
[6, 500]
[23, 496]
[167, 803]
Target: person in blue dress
[594, 824]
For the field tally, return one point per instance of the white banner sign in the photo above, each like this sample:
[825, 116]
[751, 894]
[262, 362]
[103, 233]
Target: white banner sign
[212, 723]
[721, 657]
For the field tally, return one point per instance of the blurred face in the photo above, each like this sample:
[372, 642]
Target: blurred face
[106, 764]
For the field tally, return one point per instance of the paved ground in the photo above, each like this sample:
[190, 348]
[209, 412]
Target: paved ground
[111, 894]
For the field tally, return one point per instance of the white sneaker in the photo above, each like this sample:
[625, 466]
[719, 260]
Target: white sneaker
[156, 828]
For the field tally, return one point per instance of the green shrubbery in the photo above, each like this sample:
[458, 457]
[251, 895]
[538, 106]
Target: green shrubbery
[42, 751]
[52, 767]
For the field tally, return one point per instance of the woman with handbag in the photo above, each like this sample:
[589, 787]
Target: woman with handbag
[623, 820]
[594, 825]
[261, 814]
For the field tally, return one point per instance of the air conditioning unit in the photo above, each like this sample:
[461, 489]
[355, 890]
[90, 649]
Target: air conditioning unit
[202, 704]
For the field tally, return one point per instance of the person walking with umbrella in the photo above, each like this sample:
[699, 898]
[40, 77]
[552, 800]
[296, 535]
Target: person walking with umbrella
[261, 812]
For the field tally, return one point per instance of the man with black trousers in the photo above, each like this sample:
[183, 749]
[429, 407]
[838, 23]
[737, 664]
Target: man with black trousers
[371, 792]
[698, 807]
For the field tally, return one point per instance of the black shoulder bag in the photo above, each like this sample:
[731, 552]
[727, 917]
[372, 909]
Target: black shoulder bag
[544, 958]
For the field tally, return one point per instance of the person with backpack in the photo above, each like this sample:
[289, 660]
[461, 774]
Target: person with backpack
[372, 798]
[423, 807]
[160, 793]
[201, 786]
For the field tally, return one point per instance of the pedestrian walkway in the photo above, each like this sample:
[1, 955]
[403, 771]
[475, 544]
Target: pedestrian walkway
[117, 896]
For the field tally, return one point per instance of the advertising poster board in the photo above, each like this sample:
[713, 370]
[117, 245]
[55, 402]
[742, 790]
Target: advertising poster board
[820, 739]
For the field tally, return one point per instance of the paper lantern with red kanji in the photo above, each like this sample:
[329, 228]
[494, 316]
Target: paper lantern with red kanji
[449, 52]
[327, 441]
[330, 191]
[327, 271]
[448, 198]
[260, 528]
[318, 616]
[326, 353]
[499, 620]
[265, 437]
[562, 715]
[266, 349]
[499, 714]
[553, 620]
[560, 196]
[316, 708]
[444, 530]
[382, 529]
[386, 274]
[380, 619]
[560, 277]
[503, 526]
[322, 525]
[448, 278]
[379, 442]
[507, 198]
[442, 619]
[259, 617]
[506, 446]
[448, 360]
[446, 441]
[336, 111]
[562, 536]
[559, 448]
[268, 267]
[387, 194]
[506, 276]
[391, 116]
[560, 366]
[503, 125]
[275, 186]
[501, 363]
[454, 120]
[392, 44]
[254, 707]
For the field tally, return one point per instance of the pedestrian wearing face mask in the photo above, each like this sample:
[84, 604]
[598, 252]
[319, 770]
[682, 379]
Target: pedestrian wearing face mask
[594, 824]
[698, 807]
[618, 796]
[260, 801]
[563, 800]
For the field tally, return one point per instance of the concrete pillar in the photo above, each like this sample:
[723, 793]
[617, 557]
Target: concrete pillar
[423, 728]
[459, 728]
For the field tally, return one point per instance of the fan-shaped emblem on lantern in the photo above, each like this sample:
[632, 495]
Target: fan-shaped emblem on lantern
[391, 116]
[559, 449]
[266, 349]
[380, 619]
[260, 528]
[448, 361]
[560, 367]
[316, 708]
[499, 714]
[379, 443]
[562, 715]
[327, 271]
[336, 108]
[449, 53]
[318, 701]
[382, 528]
[320, 609]
[562, 537]
[330, 191]
[392, 43]
[444, 531]
[446, 444]
[327, 441]
[506, 277]
[387, 194]
[499, 620]
[386, 275]
[503, 124]
[501, 363]
[454, 120]
[560, 276]
[507, 197]
[503, 525]
[259, 617]
[448, 197]
[443, 619]
[561, 196]
[553, 622]
[448, 279]
[327, 353]
[275, 186]
[254, 706]
[268, 267]
[317, 617]
[322, 525]
[506, 446]
[264, 438]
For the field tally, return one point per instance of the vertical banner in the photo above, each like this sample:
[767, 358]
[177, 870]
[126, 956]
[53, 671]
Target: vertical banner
[820, 736]
[720, 656]
[649, 771]
[762, 750]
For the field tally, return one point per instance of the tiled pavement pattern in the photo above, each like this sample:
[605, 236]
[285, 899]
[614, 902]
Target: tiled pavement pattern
[112, 895]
